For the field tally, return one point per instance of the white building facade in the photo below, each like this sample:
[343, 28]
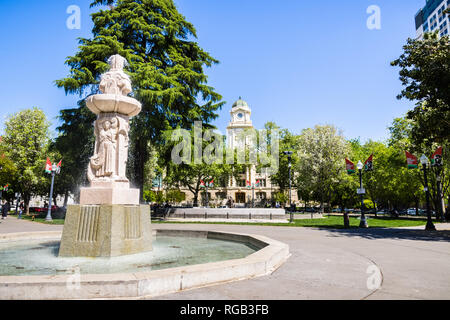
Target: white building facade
[432, 17]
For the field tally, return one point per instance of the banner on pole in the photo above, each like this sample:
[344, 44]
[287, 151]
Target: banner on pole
[436, 158]
[368, 165]
[350, 166]
[411, 160]
[58, 167]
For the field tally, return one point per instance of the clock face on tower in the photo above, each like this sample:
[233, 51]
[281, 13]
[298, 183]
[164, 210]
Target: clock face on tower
[240, 116]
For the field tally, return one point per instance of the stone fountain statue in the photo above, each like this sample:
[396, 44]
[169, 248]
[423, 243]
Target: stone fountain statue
[109, 220]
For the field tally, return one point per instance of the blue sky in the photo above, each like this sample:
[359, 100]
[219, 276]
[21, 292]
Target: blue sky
[297, 63]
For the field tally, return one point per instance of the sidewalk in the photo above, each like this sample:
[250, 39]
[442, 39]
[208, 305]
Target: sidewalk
[439, 227]
[11, 225]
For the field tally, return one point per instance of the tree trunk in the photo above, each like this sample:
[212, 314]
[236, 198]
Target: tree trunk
[321, 203]
[447, 213]
[66, 198]
[346, 220]
[440, 202]
[195, 204]
[196, 193]
[55, 196]
[26, 200]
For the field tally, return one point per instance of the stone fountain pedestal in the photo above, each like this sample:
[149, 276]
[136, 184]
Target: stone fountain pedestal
[106, 231]
[109, 221]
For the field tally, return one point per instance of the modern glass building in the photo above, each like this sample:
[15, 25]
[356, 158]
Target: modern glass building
[432, 18]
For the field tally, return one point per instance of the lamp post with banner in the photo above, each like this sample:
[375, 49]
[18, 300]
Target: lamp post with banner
[252, 186]
[3, 188]
[424, 161]
[18, 195]
[52, 169]
[436, 162]
[361, 192]
[289, 154]
[207, 185]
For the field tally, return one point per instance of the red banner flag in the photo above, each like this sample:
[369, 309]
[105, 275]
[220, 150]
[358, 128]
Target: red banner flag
[368, 165]
[436, 158]
[350, 166]
[411, 160]
[48, 166]
[58, 167]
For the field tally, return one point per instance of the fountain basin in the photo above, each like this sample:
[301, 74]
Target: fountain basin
[113, 103]
[269, 255]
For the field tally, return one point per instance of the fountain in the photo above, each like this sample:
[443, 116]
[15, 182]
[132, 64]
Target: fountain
[109, 221]
[107, 248]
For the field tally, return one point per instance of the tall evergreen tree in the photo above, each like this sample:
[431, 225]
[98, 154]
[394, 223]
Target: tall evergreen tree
[75, 145]
[166, 66]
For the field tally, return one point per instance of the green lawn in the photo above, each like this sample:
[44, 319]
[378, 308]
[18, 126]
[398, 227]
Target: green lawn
[328, 222]
[336, 222]
[42, 220]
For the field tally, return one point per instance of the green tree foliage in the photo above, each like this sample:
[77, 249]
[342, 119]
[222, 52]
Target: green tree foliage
[152, 168]
[190, 174]
[280, 197]
[425, 74]
[390, 185]
[154, 196]
[165, 65]
[287, 142]
[321, 152]
[175, 196]
[344, 194]
[26, 143]
[8, 172]
[402, 138]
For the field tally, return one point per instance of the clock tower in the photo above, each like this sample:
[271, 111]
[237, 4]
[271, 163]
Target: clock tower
[240, 120]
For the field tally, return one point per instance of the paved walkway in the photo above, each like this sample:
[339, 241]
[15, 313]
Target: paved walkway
[11, 225]
[329, 264]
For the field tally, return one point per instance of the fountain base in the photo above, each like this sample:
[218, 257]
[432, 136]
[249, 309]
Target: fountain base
[106, 231]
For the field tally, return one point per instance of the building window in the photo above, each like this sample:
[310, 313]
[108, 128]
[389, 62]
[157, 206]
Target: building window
[262, 183]
[261, 196]
[223, 182]
[221, 195]
[242, 183]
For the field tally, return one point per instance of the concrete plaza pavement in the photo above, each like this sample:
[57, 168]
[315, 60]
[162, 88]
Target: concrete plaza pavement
[327, 263]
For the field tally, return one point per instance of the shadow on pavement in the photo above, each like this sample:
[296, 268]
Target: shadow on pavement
[392, 233]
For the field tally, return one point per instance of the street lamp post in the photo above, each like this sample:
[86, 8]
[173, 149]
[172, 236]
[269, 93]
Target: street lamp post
[253, 195]
[363, 223]
[424, 162]
[1, 188]
[17, 194]
[207, 197]
[289, 154]
[53, 173]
